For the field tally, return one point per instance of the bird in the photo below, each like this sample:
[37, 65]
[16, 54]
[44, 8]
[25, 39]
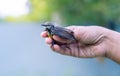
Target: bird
[61, 32]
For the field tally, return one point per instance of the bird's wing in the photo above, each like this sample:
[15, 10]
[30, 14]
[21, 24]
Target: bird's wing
[63, 33]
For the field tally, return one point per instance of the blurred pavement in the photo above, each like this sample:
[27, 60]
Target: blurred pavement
[24, 53]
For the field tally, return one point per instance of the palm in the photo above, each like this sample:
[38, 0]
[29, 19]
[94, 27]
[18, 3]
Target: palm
[90, 43]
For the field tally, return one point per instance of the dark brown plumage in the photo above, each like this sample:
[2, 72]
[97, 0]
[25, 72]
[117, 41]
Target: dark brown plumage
[59, 31]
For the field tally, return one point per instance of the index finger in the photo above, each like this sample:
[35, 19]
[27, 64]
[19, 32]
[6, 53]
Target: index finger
[44, 34]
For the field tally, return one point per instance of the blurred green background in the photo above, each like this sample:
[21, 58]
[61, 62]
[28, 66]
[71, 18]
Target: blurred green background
[69, 12]
[24, 53]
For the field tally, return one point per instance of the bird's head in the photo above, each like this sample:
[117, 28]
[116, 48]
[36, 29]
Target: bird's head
[48, 25]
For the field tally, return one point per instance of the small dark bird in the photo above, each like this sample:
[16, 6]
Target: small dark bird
[58, 31]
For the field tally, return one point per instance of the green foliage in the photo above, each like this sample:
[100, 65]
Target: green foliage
[40, 10]
[74, 11]
[87, 11]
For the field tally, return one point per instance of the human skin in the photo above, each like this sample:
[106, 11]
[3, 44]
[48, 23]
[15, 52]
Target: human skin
[92, 41]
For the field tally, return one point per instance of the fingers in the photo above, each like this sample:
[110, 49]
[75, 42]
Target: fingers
[55, 48]
[59, 39]
[44, 34]
[61, 49]
[48, 40]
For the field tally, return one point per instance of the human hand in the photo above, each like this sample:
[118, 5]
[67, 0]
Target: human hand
[92, 41]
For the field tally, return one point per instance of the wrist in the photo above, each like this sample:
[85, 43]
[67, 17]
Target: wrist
[113, 51]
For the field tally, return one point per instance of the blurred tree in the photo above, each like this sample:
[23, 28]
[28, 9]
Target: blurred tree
[87, 11]
[74, 11]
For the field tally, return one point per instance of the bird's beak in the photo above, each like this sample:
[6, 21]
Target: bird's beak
[42, 25]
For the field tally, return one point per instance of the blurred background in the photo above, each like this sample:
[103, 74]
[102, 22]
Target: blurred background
[24, 53]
